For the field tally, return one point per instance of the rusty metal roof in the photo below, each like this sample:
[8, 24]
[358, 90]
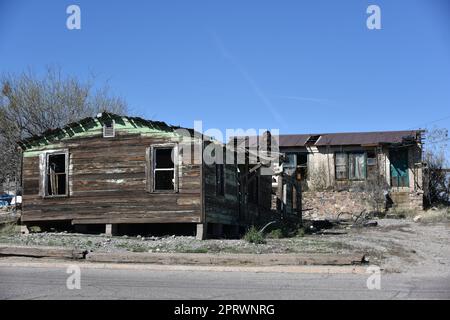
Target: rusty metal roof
[351, 138]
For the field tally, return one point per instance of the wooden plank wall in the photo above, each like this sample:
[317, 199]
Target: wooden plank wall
[225, 209]
[221, 208]
[107, 184]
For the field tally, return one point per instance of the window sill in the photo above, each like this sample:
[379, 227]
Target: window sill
[163, 191]
[56, 197]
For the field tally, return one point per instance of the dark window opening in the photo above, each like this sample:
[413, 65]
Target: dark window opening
[371, 158]
[298, 163]
[220, 181]
[302, 166]
[56, 177]
[108, 129]
[164, 169]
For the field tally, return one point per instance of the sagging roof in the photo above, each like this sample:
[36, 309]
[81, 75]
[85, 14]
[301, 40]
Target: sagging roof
[350, 138]
[86, 123]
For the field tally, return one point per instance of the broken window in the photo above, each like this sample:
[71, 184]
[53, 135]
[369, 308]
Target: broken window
[163, 169]
[371, 158]
[56, 175]
[290, 163]
[108, 129]
[350, 165]
[357, 166]
[302, 166]
[296, 163]
[220, 181]
[341, 166]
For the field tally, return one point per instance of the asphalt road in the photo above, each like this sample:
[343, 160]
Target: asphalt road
[121, 283]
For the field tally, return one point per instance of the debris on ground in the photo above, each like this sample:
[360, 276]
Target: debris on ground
[395, 245]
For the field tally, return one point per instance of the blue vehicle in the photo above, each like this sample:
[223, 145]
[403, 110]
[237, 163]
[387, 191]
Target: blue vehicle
[5, 199]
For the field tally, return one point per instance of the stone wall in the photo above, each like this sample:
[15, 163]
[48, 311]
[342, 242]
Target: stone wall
[407, 201]
[329, 204]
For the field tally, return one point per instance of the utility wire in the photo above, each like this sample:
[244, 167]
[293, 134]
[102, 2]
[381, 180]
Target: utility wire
[433, 142]
[431, 122]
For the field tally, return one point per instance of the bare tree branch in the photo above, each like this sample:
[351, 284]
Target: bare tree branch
[31, 104]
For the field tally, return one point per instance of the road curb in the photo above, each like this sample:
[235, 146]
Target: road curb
[227, 259]
[42, 252]
[204, 259]
[17, 262]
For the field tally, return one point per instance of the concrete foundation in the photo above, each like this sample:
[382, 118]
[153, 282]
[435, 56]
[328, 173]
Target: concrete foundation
[110, 229]
[201, 231]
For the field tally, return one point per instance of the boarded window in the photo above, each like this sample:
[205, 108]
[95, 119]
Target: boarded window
[108, 129]
[220, 181]
[357, 166]
[56, 175]
[341, 166]
[163, 169]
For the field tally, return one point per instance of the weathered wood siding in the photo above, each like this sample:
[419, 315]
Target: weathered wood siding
[108, 184]
[221, 208]
[232, 208]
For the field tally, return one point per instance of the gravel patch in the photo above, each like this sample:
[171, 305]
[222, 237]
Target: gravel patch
[396, 245]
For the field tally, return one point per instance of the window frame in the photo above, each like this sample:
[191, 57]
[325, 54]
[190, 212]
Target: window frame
[347, 165]
[365, 165]
[45, 173]
[113, 123]
[151, 164]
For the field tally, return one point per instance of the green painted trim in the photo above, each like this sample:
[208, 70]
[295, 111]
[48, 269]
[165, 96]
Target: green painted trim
[95, 128]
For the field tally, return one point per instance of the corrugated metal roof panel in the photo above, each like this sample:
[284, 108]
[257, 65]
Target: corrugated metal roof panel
[349, 138]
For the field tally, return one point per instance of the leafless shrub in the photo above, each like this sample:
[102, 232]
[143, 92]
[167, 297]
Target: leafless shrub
[376, 188]
[31, 104]
[436, 178]
[318, 178]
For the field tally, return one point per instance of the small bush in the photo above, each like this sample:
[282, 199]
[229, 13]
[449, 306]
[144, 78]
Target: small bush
[254, 236]
[432, 216]
[301, 232]
[138, 248]
[8, 229]
[276, 234]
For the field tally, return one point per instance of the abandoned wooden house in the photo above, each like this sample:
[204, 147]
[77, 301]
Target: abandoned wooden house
[119, 174]
[351, 172]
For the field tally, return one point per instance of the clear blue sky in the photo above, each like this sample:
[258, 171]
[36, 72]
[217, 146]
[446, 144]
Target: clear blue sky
[300, 66]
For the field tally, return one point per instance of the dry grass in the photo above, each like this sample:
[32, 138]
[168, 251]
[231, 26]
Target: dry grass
[435, 215]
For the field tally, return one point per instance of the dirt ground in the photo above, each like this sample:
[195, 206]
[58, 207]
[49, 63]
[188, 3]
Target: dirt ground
[397, 245]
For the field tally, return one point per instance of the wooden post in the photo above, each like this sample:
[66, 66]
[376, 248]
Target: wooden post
[298, 189]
